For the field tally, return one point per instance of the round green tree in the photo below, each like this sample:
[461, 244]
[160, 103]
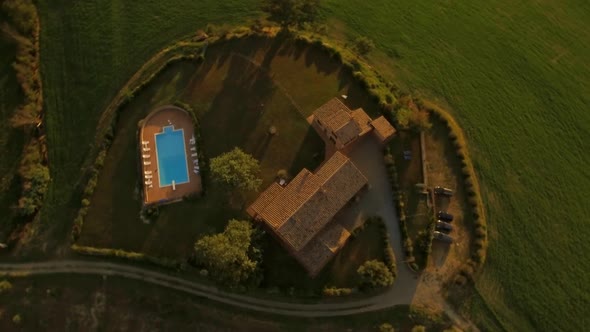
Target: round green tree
[236, 169]
[226, 255]
[374, 274]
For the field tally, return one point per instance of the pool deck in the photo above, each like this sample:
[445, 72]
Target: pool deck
[152, 125]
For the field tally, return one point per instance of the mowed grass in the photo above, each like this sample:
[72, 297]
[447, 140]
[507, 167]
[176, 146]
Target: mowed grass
[514, 74]
[11, 140]
[517, 77]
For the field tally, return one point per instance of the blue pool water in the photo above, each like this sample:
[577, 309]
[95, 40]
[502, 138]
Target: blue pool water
[172, 164]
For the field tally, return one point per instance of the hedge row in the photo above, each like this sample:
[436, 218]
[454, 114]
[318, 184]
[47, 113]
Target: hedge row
[388, 254]
[23, 28]
[203, 160]
[425, 237]
[399, 203]
[390, 99]
[130, 256]
[335, 291]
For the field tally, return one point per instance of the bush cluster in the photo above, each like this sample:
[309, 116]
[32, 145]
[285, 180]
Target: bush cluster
[130, 256]
[335, 291]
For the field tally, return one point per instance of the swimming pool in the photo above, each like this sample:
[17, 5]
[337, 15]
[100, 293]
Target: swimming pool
[171, 157]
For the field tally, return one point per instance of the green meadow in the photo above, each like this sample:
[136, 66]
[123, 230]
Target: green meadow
[515, 74]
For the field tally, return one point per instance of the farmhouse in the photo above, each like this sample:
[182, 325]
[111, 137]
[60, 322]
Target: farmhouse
[343, 126]
[300, 214]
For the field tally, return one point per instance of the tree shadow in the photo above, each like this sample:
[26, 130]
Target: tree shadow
[238, 106]
[262, 147]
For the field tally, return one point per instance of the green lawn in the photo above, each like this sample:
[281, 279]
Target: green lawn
[514, 74]
[11, 140]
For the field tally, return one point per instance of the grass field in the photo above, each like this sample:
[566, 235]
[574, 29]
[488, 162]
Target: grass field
[11, 140]
[514, 74]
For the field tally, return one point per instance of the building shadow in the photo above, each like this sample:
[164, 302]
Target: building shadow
[311, 153]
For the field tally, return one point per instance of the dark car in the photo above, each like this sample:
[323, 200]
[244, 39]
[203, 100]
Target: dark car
[443, 191]
[442, 237]
[443, 226]
[447, 217]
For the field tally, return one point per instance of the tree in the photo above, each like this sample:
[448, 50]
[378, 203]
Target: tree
[288, 13]
[236, 169]
[375, 274]
[226, 255]
[364, 45]
[402, 117]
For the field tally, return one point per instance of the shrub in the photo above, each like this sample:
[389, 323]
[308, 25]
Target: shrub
[5, 286]
[17, 319]
[128, 255]
[99, 162]
[479, 255]
[334, 291]
[374, 274]
[386, 327]
[480, 232]
[85, 202]
[363, 45]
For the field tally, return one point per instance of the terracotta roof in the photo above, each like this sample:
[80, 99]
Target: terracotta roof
[264, 199]
[362, 119]
[299, 212]
[383, 129]
[338, 119]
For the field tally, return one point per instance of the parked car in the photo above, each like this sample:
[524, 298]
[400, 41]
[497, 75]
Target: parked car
[443, 226]
[442, 237]
[447, 217]
[443, 191]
